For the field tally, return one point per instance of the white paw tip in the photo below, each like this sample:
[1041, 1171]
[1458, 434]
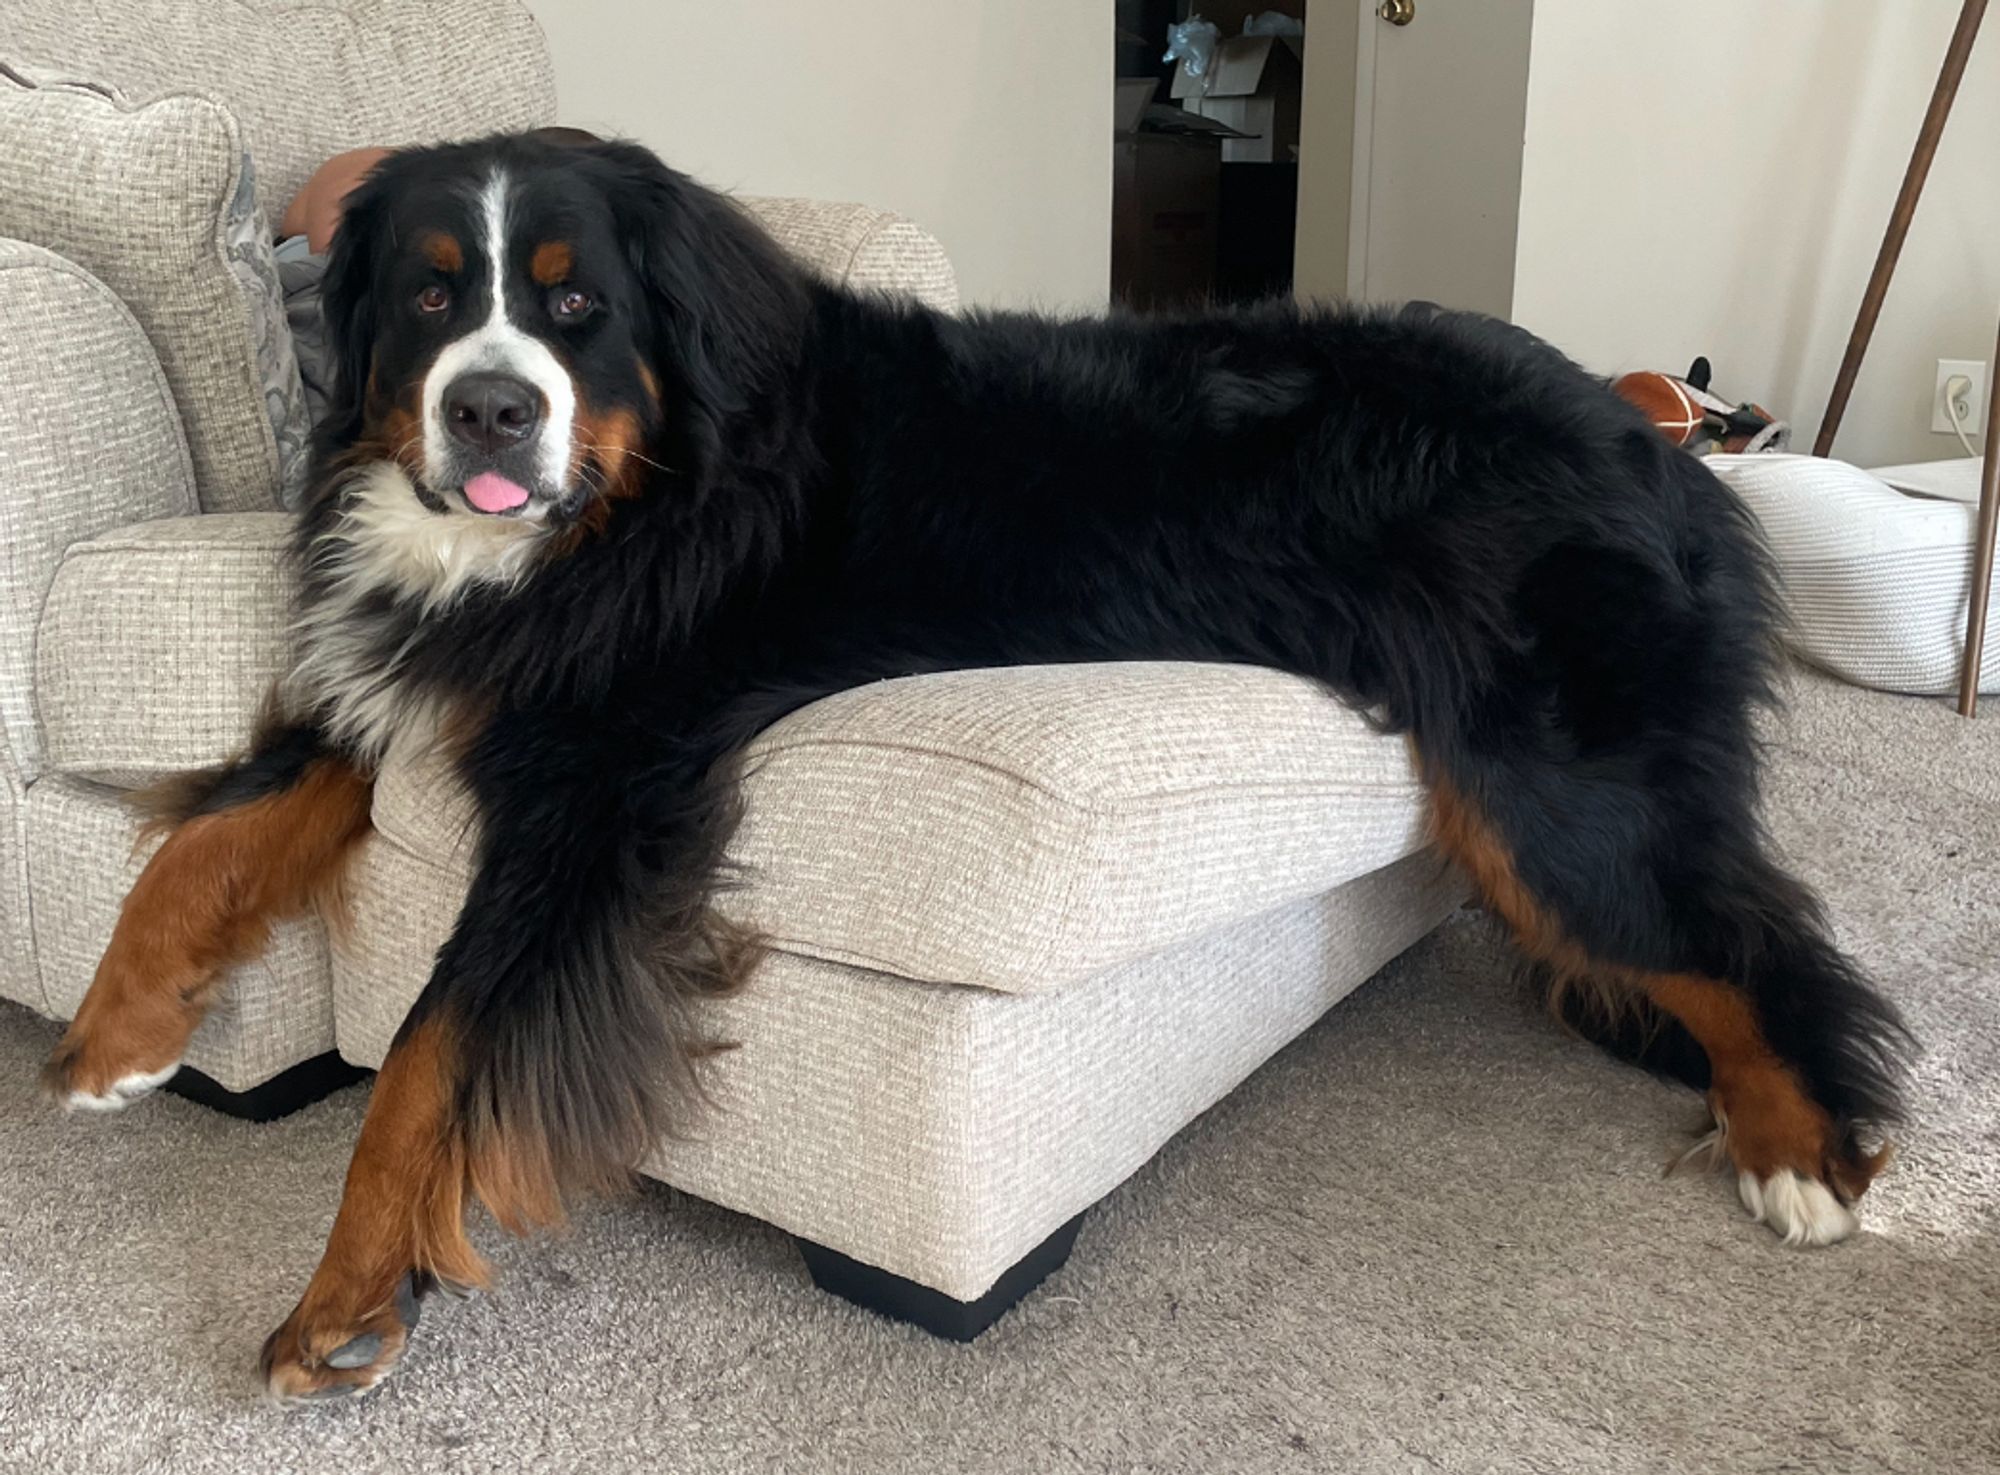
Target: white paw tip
[124, 1091]
[1800, 1211]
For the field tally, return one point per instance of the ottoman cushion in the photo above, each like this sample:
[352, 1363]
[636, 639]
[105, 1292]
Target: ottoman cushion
[1027, 827]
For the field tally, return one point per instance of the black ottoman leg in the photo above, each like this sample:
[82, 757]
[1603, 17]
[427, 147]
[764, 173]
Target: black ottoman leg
[940, 1315]
[282, 1095]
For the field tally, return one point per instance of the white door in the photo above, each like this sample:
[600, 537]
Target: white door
[1432, 112]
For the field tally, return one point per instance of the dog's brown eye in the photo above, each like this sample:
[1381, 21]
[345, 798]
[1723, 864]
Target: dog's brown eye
[567, 302]
[433, 299]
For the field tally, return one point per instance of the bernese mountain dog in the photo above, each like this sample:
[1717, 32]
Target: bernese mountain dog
[610, 484]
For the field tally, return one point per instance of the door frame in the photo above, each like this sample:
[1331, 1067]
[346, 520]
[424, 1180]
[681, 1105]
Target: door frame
[1337, 152]
[1330, 242]
[1361, 169]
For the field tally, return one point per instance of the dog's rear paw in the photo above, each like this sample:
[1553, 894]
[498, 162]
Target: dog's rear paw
[1801, 1211]
[314, 1357]
[1802, 1208]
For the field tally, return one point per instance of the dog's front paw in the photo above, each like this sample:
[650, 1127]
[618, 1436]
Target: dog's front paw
[325, 1352]
[83, 1076]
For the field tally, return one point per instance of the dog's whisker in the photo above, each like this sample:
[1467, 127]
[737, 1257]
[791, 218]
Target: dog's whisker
[591, 445]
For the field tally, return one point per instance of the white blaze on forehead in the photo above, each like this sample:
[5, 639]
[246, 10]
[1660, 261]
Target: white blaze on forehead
[498, 346]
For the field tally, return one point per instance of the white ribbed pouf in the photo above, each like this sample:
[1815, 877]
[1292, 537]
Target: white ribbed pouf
[1876, 581]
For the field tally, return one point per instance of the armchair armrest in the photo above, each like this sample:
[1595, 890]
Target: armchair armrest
[89, 440]
[860, 247]
[159, 642]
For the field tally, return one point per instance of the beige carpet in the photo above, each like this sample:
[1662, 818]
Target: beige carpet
[1432, 1235]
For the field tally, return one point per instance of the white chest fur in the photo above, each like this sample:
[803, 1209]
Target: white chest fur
[388, 549]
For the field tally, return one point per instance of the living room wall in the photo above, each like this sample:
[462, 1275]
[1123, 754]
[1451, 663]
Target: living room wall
[987, 121]
[1713, 178]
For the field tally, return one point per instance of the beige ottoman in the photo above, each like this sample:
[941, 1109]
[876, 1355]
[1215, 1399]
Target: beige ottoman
[1028, 924]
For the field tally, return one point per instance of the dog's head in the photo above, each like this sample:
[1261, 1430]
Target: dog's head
[527, 327]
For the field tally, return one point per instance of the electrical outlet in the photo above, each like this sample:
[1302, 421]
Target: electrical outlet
[1971, 402]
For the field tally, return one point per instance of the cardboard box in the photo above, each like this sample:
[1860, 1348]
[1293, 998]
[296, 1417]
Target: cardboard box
[1255, 85]
[1229, 15]
[1132, 97]
[1163, 225]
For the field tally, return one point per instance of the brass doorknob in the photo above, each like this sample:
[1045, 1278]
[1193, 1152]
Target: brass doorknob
[1397, 12]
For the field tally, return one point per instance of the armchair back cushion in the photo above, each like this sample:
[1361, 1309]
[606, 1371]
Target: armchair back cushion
[305, 79]
[158, 203]
[163, 138]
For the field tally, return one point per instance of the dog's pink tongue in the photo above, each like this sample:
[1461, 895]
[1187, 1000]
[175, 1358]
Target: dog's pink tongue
[491, 492]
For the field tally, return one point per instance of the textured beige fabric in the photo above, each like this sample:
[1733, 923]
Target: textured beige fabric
[141, 197]
[949, 1134]
[159, 641]
[1026, 827]
[1876, 582]
[938, 1131]
[862, 248]
[305, 79]
[273, 1012]
[20, 979]
[89, 439]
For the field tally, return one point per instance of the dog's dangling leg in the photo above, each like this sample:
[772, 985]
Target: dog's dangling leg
[252, 844]
[542, 1057]
[1800, 1164]
[399, 1232]
[1791, 1102]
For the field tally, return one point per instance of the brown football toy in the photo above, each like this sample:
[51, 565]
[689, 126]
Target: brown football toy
[1687, 414]
[1664, 400]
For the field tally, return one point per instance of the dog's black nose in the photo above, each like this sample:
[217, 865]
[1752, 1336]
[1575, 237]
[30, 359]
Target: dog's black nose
[491, 412]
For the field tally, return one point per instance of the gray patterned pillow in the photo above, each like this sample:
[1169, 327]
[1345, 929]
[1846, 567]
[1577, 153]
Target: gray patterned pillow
[248, 233]
[158, 201]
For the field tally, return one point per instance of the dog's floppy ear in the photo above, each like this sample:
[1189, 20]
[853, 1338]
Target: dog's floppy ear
[726, 306]
[347, 300]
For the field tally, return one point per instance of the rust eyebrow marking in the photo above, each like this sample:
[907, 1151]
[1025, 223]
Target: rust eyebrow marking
[551, 263]
[441, 250]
